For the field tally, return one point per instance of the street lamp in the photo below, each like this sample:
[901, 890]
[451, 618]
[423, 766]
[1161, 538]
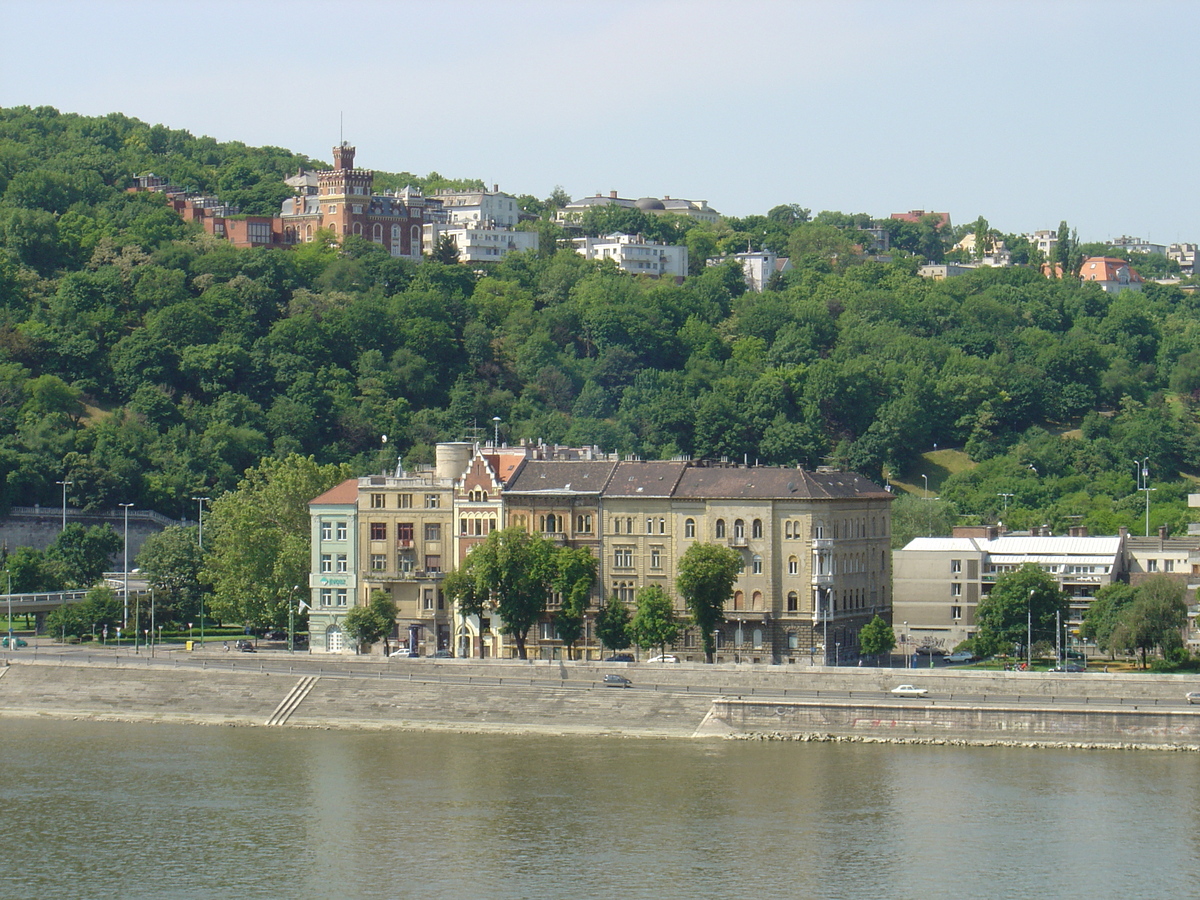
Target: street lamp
[1006, 497]
[125, 617]
[64, 507]
[1029, 630]
[292, 619]
[10, 634]
[907, 659]
[495, 431]
[837, 653]
[716, 639]
[200, 543]
[200, 520]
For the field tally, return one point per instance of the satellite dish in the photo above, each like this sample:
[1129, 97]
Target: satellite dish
[384, 438]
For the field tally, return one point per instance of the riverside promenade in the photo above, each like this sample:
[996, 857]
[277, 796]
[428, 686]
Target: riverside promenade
[277, 689]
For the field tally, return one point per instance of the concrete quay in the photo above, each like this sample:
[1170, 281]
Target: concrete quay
[686, 700]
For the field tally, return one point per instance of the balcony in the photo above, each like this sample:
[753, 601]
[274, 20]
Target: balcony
[739, 541]
[404, 543]
[822, 581]
[822, 543]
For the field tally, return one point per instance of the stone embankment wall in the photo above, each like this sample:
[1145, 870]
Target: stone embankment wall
[676, 701]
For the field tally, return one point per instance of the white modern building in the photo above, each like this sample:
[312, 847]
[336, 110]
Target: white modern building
[478, 243]
[489, 209]
[939, 581]
[634, 254]
[759, 266]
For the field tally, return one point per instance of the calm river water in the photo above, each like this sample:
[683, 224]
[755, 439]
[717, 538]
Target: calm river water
[159, 811]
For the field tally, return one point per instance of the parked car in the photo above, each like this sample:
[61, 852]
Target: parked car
[611, 680]
[245, 646]
[441, 654]
[1192, 696]
[1069, 667]
[404, 653]
[664, 658]
[17, 642]
[619, 657]
[908, 690]
[961, 656]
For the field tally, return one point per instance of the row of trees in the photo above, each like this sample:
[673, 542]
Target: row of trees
[516, 574]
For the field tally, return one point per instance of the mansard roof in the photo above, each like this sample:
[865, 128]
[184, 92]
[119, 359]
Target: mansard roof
[635, 478]
[768, 483]
[561, 477]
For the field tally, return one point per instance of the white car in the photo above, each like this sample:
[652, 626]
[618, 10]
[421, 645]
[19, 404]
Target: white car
[664, 658]
[404, 653]
[908, 690]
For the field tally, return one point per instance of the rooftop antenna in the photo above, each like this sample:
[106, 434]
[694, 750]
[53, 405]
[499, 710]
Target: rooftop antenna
[341, 127]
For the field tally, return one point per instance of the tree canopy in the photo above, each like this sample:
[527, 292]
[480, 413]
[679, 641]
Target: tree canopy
[705, 581]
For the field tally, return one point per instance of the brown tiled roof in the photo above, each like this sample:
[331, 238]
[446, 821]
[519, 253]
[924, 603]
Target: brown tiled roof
[570, 476]
[766, 483]
[645, 479]
[344, 493]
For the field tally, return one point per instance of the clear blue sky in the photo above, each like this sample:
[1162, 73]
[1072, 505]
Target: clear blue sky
[1027, 113]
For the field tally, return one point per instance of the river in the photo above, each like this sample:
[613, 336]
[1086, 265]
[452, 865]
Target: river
[129, 811]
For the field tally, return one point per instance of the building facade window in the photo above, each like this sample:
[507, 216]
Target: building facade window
[756, 530]
[326, 531]
[689, 528]
[433, 562]
[341, 596]
[955, 566]
[623, 557]
[720, 528]
[341, 531]
[378, 562]
[404, 501]
[326, 562]
[433, 531]
[342, 562]
[793, 566]
[793, 601]
[433, 501]
[756, 564]
[656, 557]
[326, 597]
[404, 532]
[379, 531]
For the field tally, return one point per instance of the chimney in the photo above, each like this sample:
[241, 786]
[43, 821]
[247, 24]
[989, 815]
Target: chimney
[495, 188]
[1122, 532]
[1162, 532]
[612, 195]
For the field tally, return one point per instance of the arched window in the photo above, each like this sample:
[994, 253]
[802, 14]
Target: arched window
[739, 600]
[414, 240]
[308, 232]
[756, 600]
[819, 531]
[757, 529]
[689, 528]
[756, 564]
[720, 531]
[793, 602]
[739, 529]
[756, 638]
[358, 228]
[787, 530]
[377, 233]
[793, 566]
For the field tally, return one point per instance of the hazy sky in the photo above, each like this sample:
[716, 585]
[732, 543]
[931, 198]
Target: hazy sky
[1027, 113]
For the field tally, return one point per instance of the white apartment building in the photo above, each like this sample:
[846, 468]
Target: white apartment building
[759, 266]
[634, 254]
[478, 243]
[489, 209]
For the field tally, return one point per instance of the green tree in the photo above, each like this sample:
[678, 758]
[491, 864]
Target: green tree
[368, 624]
[445, 250]
[1027, 600]
[612, 624]
[574, 577]
[516, 571]
[172, 562]
[257, 539]
[654, 623]
[705, 581]
[876, 638]
[1104, 612]
[100, 607]
[1154, 620]
[82, 554]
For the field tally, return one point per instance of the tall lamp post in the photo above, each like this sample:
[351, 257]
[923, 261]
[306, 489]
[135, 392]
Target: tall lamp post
[64, 506]
[292, 619]
[200, 501]
[1143, 484]
[907, 658]
[10, 634]
[200, 543]
[1029, 631]
[125, 616]
[495, 431]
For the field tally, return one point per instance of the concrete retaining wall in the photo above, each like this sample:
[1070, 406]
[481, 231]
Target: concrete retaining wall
[1099, 725]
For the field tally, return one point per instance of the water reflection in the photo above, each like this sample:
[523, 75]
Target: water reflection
[137, 811]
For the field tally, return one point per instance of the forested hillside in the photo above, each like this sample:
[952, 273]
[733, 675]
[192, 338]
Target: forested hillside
[146, 362]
